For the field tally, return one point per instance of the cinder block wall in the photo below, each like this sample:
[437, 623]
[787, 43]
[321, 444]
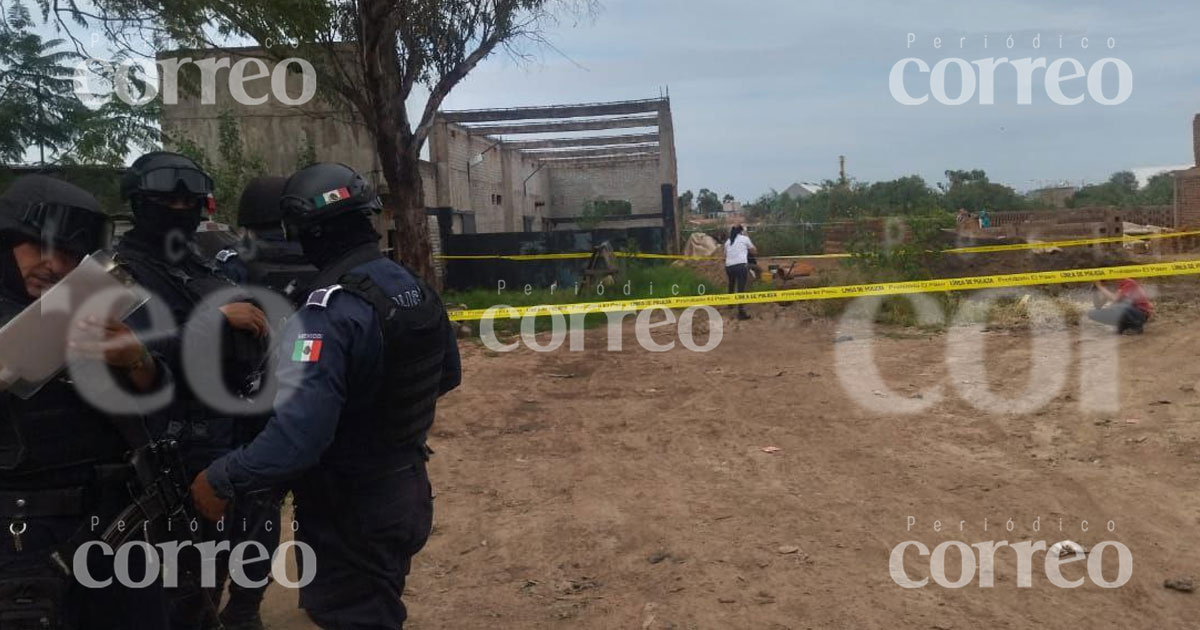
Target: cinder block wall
[273, 131]
[494, 188]
[638, 183]
[528, 192]
[474, 188]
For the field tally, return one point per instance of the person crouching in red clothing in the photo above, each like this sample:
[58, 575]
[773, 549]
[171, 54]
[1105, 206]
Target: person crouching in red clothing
[1128, 308]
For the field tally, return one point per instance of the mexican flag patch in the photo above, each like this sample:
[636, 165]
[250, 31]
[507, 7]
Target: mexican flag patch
[332, 196]
[307, 351]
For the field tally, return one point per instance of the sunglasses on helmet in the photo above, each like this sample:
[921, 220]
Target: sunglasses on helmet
[170, 179]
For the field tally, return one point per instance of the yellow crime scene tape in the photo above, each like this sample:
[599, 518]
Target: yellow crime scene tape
[1180, 268]
[517, 257]
[981, 249]
[570, 256]
[976, 249]
[1013, 247]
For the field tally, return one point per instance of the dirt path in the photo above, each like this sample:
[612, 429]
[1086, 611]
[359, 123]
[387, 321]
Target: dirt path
[630, 489]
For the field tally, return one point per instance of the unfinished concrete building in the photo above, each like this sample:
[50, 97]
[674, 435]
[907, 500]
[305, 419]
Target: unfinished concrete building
[523, 169]
[531, 168]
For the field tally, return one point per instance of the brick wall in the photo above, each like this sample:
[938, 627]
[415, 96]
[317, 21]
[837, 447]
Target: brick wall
[474, 187]
[1163, 216]
[429, 184]
[494, 188]
[1187, 197]
[638, 183]
[1080, 222]
[1187, 185]
[529, 191]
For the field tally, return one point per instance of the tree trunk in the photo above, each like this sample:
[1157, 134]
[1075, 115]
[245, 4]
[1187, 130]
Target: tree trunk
[403, 175]
[386, 115]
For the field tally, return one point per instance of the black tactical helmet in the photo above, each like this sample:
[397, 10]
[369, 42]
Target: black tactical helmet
[323, 191]
[259, 204]
[55, 213]
[165, 173]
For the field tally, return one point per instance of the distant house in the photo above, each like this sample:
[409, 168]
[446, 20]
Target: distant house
[731, 213]
[1052, 196]
[802, 190]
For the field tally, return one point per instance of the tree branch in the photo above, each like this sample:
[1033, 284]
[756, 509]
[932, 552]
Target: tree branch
[446, 83]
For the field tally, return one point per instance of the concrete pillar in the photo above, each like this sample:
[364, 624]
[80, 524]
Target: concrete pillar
[668, 169]
[508, 198]
[439, 154]
[1196, 138]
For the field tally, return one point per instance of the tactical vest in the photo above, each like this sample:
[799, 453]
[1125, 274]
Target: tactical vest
[191, 279]
[414, 348]
[280, 269]
[53, 438]
[186, 284]
[189, 282]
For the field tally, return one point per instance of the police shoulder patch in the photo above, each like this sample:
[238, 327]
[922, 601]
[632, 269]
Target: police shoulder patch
[225, 254]
[320, 297]
[307, 349]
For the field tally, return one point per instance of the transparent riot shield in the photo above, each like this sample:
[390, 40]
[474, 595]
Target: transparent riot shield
[33, 345]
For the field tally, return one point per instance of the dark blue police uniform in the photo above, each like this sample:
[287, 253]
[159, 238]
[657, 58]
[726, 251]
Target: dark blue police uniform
[361, 366]
[268, 260]
[230, 263]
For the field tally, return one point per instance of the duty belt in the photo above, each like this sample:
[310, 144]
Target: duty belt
[22, 504]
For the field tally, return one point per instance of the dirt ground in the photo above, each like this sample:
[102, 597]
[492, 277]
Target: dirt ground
[630, 489]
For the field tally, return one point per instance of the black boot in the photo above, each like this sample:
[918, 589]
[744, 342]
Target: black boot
[241, 611]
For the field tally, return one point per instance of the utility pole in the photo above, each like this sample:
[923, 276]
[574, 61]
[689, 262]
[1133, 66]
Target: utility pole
[842, 170]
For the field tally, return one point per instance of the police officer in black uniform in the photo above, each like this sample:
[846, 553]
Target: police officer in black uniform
[167, 194]
[265, 259]
[361, 367]
[62, 461]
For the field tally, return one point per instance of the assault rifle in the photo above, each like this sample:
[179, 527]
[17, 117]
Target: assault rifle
[161, 505]
[160, 496]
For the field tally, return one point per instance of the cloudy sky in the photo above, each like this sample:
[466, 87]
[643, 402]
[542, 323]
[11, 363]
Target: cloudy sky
[769, 92]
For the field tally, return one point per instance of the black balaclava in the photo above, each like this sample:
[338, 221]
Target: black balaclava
[163, 229]
[325, 242]
[12, 283]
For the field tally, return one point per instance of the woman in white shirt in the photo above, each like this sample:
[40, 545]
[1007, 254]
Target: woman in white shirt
[737, 254]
